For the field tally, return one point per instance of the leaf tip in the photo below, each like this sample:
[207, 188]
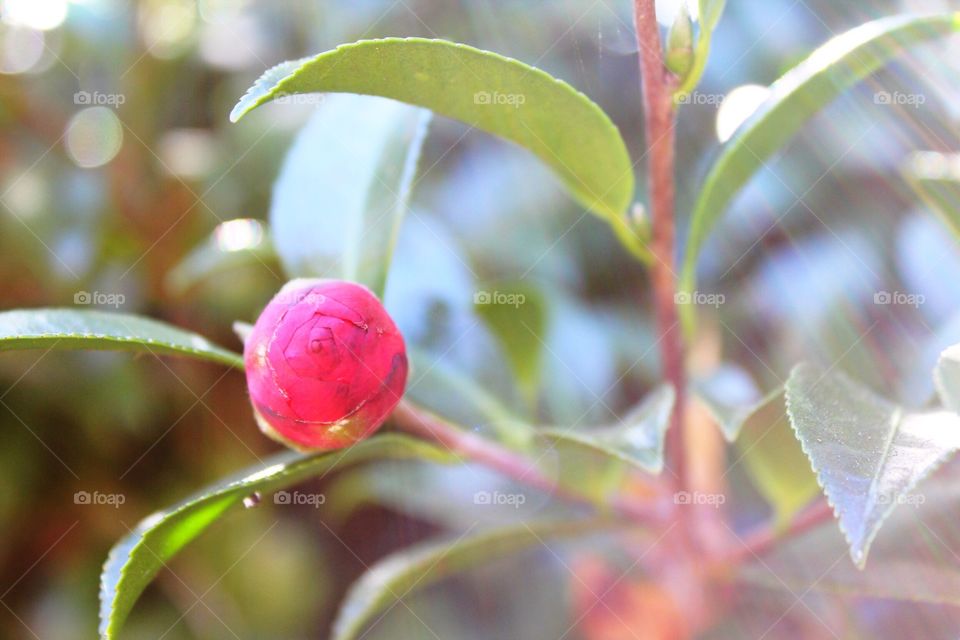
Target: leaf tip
[239, 110]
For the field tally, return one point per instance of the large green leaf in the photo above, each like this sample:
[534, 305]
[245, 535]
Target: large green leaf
[636, 439]
[490, 92]
[868, 453]
[87, 329]
[135, 560]
[344, 189]
[394, 577]
[794, 98]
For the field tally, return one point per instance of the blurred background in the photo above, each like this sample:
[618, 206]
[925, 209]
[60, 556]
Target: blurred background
[124, 186]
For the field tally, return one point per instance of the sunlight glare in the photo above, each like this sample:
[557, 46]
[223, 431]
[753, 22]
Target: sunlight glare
[737, 107]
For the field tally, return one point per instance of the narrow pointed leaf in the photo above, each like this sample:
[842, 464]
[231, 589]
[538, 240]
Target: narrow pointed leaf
[868, 453]
[135, 560]
[947, 378]
[795, 98]
[499, 95]
[101, 330]
[395, 577]
[710, 12]
[344, 189]
[637, 439]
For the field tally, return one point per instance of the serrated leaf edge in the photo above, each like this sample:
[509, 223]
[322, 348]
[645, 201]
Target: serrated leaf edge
[885, 513]
[648, 403]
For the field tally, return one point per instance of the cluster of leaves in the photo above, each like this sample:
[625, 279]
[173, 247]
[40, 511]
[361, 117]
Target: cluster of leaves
[865, 452]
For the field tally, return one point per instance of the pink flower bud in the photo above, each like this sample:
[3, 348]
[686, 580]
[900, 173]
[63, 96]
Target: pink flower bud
[325, 364]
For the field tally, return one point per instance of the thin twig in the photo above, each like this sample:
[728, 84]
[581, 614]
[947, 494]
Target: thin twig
[427, 426]
[658, 115]
[767, 537]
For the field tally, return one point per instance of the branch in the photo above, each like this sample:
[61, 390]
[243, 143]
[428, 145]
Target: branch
[427, 426]
[761, 541]
[658, 114]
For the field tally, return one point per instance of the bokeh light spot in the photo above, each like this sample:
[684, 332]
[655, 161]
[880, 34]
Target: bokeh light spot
[94, 137]
[21, 48]
[35, 14]
[239, 234]
[737, 106]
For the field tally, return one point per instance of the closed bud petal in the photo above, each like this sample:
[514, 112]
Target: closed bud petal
[679, 53]
[325, 365]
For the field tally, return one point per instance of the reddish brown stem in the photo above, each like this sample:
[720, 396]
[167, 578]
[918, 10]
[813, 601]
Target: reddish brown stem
[427, 426]
[764, 539]
[658, 115]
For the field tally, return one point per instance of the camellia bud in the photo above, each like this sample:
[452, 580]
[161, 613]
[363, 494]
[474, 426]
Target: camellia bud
[679, 51]
[325, 365]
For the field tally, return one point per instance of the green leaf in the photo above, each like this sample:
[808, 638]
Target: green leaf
[794, 99]
[101, 330]
[935, 177]
[868, 453]
[498, 95]
[636, 440]
[517, 314]
[344, 189]
[730, 397]
[710, 12]
[709, 15]
[773, 458]
[233, 244]
[394, 577]
[135, 560]
[678, 56]
[947, 378]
